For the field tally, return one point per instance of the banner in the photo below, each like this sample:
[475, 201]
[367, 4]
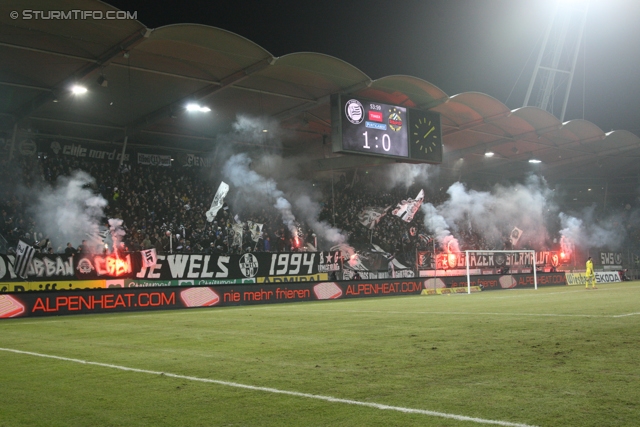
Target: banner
[24, 255]
[47, 267]
[91, 266]
[611, 259]
[51, 286]
[576, 279]
[349, 274]
[192, 267]
[154, 159]
[408, 208]
[294, 279]
[495, 281]
[218, 201]
[112, 300]
[488, 261]
[193, 160]
[607, 277]
[75, 149]
[249, 265]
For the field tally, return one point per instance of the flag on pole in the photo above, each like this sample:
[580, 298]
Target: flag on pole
[255, 229]
[218, 201]
[236, 233]
[24, 255]
[371, 216]
[516, 233]
[149, 257]
[406, 209]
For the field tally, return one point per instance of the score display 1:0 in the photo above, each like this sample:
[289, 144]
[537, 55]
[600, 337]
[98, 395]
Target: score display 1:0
[374, 128]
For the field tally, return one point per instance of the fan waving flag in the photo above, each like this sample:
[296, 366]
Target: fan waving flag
[371, 215]
[218, 201]
[408, 208]
[255, 229]
[24, 255]
[516, 233]
[149, 257]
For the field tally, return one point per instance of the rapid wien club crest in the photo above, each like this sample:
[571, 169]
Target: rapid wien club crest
[395, 119]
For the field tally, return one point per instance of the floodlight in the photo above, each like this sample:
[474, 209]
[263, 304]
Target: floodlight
[535, 161]
[197, 108]
[78, 90]
[489, 153]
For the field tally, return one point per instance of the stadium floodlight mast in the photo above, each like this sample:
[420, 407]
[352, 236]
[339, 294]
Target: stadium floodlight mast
[533, 258]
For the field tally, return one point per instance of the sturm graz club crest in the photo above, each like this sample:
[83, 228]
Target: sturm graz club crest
[248, 265]
[354, 111]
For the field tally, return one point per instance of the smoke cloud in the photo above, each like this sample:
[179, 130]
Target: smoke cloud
[404, 175]
[70, 211]
[252, 186]
[492, 215]
[589, 232]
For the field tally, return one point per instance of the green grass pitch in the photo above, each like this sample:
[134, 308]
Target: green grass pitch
[560, 356]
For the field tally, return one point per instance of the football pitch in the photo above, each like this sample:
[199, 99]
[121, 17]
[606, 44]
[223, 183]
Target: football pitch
[558, 356]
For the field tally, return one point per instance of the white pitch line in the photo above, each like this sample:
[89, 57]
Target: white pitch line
[277, 391]
[467, 313]
[628, 314]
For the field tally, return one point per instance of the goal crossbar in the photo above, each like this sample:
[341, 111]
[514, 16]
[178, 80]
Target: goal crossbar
[532, 252]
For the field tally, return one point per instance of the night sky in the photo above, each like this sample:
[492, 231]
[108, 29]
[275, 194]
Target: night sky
[487, 46]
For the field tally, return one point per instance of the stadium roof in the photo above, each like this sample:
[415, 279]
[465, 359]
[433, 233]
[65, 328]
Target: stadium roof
[152, 74]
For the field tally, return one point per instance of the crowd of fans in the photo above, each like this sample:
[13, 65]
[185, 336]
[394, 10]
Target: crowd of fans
[164, 208]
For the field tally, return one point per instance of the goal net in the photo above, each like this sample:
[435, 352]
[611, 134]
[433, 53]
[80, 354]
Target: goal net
[505, 260]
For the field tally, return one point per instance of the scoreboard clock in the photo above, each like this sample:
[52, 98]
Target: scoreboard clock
[425, 136]
[374, 128]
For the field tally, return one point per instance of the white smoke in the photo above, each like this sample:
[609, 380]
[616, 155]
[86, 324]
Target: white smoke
[492, 215]
[436, 223]
[70, 211]
[117, 232]
[404, 175]
[309, 211]
[252, 186]
[256, 130]
[591, 232]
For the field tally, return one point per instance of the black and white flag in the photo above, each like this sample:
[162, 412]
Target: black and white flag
[149, 257]
[406, 209]
[24, 255]
[218, 201]
[236, 233]
[516, 233]
[255, 229]
[371, 216]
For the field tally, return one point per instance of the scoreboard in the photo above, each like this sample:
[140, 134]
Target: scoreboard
[374, 128]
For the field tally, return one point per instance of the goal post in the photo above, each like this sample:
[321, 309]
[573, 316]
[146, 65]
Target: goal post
[533, 259]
